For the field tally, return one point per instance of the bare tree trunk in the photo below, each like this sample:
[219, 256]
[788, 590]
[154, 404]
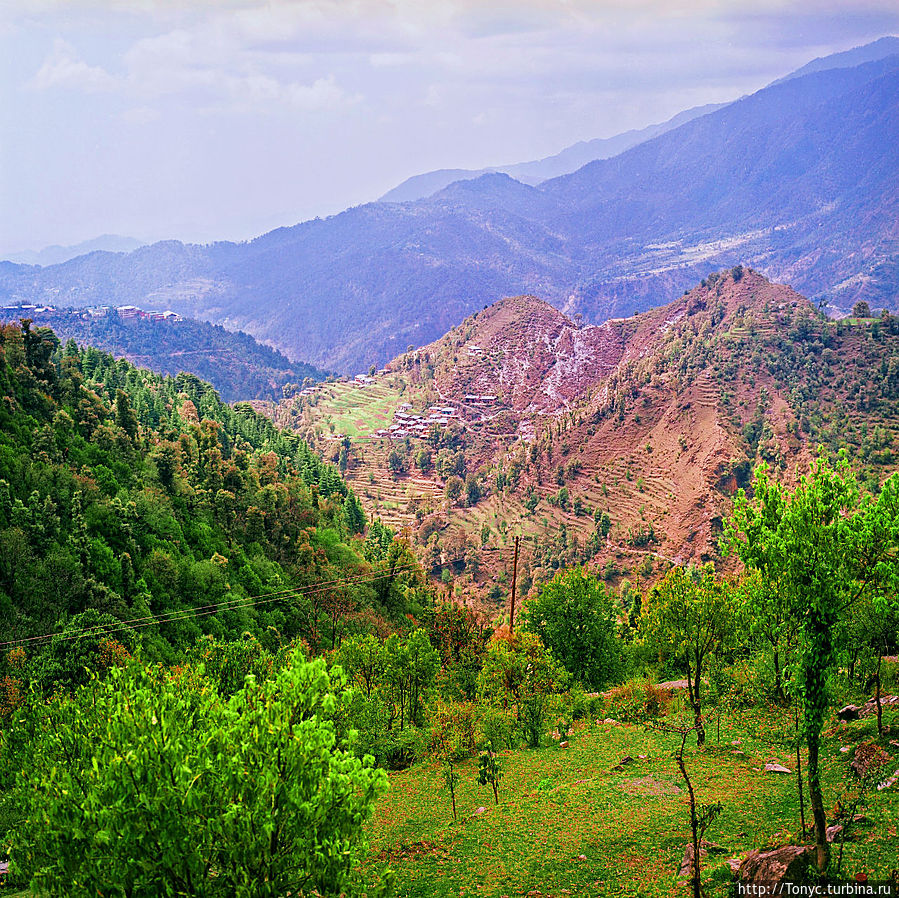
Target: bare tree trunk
[695, 878]
[877, 695]
[816, 799]
[694, 683]
[799, 772]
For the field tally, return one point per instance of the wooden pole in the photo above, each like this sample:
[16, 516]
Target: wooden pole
[514, 583]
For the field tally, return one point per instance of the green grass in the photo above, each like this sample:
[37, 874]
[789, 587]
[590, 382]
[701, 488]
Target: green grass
[568, 824]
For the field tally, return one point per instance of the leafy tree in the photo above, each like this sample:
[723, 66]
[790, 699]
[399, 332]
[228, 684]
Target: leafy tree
[147, 785]
[689, 616]
[460, 638]
[490, 771]
[396, 462]
[453, 488]
[424, 460]
[410, 667]
[767, 613]
[519, 674]
[826, 545]
[363, 658]
[472, 490]
[574, 616]
[861, 309]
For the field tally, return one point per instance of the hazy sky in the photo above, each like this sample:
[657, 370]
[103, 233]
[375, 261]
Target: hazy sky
[221, 120]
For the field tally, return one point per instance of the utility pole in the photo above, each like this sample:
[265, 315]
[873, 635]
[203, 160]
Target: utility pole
[514, 582]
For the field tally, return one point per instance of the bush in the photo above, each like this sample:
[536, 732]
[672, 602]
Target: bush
[495, 728]
[453, 734]
[639, 701]
[144, 783]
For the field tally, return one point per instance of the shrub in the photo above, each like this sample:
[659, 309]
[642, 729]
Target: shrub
[495, 728]
[142, 784]
[453, 733]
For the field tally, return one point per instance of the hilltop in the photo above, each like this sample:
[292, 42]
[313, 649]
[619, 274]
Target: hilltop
[238, 366]
[620, 444]
[798, 180]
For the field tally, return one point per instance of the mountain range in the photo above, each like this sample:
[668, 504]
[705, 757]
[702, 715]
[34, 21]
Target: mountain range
[234, 363]
[798, 180]
[562, 163]
[56, 254]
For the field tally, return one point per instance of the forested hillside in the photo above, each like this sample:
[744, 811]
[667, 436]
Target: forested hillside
[128, 496]
[621, 444]
[237, 366]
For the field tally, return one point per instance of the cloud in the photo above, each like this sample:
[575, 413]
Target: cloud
[140, 115]
[63, 68]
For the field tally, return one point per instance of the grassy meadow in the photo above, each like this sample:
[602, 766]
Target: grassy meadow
[574, 822]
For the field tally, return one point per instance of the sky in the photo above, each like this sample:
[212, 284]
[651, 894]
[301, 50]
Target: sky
[204, 121]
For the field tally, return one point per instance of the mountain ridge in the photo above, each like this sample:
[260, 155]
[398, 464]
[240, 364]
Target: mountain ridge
[796, 180]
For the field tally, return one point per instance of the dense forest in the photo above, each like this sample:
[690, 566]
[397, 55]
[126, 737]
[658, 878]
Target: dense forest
[132, 495]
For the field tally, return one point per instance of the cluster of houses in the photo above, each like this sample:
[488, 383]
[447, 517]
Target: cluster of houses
[126, 313]
[407, 423]
[131, 312]
[23, 311]
[475, 399]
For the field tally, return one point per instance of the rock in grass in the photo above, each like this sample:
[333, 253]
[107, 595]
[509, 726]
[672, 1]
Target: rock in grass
[686, 865]
[789, 864]
[705, 849]
[777, 768]
[834, 832]
[848, 712]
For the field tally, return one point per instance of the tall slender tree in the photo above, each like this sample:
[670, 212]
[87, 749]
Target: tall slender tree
[825, 544]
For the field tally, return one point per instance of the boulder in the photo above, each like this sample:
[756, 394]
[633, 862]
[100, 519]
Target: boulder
[779, 865]
[705, 849]
[834, 832]
[563, 744]
[849, 712]
[776, 768]
[869, 708]
[686, 865]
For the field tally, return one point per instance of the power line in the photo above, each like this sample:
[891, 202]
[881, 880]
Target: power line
[298, 590]
[215, 608]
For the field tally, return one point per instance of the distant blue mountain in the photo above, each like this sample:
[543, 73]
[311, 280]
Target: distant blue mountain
[568, 160]
[56, 255]
[879, 49]
[799, 180]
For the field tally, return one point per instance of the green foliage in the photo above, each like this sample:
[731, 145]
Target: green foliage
[689, 616]
[825, 544]
[125, 494]
[574, 616]
[520, 675]
[150, 785]
[490, 771]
